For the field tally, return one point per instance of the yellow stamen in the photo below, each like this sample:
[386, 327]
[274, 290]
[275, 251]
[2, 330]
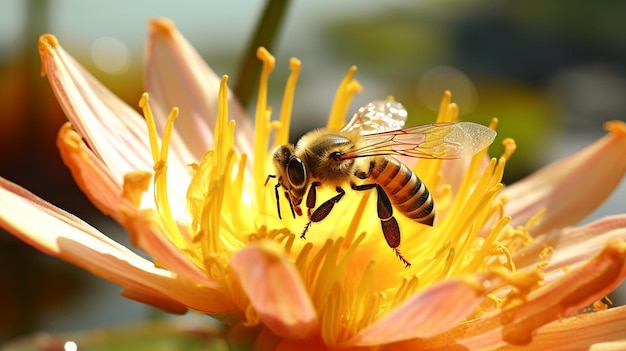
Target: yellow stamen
[442, 115]
[282, 134]
[365, 302]
[159, 157]
[213, 175]
[346, 90]
[262, 123]
[150, 123]
[356, 220]
[509, 148]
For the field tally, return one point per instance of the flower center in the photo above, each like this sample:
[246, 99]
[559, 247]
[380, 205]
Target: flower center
[347, 267]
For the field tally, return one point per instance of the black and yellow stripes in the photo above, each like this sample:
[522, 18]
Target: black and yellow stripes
[405, 190]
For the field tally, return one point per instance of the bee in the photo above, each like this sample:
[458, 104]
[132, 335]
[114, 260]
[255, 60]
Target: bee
[361, 155]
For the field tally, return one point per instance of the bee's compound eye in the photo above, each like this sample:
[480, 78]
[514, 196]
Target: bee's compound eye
[296, 171]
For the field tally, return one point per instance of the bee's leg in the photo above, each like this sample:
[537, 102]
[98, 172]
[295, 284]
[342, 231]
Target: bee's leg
[389, 225]
[276, 193]
[277, 200]
[311, 198]
[323, 210]
[290, 204]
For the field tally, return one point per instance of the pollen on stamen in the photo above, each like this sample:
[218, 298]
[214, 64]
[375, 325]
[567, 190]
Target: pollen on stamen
[509, 148]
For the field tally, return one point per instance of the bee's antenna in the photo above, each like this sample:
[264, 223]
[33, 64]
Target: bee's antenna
[275, 193]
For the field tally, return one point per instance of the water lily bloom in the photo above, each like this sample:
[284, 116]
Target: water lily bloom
[502, 267]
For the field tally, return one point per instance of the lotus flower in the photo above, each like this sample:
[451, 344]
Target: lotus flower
[502, 267]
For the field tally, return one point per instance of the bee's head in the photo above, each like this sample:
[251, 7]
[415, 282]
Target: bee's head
[291, 171]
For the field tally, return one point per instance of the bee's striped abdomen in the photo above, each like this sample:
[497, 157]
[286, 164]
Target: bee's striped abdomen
[405, 190]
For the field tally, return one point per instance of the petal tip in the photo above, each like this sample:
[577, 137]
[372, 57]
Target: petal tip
[161, 25]
[616, 127]
[46, 43]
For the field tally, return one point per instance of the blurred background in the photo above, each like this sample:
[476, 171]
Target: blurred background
[553, 72]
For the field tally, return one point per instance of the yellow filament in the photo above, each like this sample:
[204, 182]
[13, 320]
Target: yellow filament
[364, 304]
[262, 123]
[312, 269]
[301, 260]
[159, 157]
[443, 107]
[282, 134]
[221, 121]
[346, 90]
[356, 220]
[407, 288]
[219, 170]
[144, 104]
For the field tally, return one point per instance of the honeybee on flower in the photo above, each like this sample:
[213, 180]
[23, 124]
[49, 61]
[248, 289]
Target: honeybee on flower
[195, 202]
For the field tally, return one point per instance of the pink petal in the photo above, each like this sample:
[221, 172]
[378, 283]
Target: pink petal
[570, 247]
[433, 311]
[155, 299]
[275, 290]
[313, 345]
[60, 234]
[589, 331]
[577, 289]
[570, 188]
[116, 134]
[112, 129]
[581, 332]
[177, 76]
[93, 178]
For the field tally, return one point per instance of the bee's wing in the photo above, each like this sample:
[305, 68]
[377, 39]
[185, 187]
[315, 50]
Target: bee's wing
[377, 116]
[437, 140]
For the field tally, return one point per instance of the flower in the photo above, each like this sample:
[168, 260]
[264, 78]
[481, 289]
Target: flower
[500, 268]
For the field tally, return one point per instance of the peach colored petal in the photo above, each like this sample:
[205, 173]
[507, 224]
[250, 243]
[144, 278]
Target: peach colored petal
[577, 289]
[610, 346]
[589, 331]
[91, 175]
[155, 299]
[113, 130]
[581, 332]
[142, 280]
[572, 187]
[93, 178]
[433, 311]
[177, 76]
[569, 247]
[275, 289]
[60, 234]
[312, 345]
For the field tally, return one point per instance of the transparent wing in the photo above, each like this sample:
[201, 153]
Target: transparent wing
[437, 140]
[377, 116]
